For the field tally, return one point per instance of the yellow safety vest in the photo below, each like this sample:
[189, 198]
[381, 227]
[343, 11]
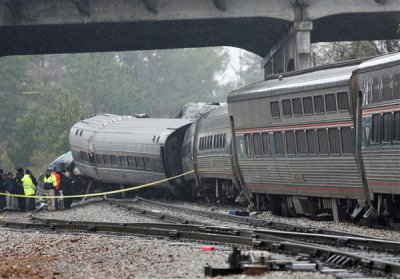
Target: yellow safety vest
[29, 187]
[51, 179]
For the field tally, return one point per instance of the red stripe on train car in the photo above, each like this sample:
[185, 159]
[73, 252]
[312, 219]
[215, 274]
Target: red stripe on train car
[298, 127]
[304, 188]
[383, 183]
[370, 111]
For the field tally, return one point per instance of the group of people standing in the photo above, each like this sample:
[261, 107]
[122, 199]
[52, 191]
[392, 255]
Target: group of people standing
[24, 183]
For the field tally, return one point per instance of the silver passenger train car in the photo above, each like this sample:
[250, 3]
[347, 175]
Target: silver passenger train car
[299, 141]
[207, 150]
[129, 150]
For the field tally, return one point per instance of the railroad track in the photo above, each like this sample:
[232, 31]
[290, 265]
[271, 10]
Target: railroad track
[251, 221]
[336, 257]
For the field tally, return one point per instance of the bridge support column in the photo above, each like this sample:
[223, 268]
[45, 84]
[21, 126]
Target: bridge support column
[292, 52]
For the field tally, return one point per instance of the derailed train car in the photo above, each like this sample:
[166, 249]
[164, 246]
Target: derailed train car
[324, 140]
[129, 150]
[304, 141]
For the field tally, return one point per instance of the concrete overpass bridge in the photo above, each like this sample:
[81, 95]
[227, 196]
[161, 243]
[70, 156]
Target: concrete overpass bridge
[281, 31]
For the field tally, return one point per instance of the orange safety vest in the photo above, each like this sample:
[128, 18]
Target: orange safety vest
[58, 180]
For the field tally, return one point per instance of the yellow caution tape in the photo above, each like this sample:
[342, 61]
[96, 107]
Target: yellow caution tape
[99, 194]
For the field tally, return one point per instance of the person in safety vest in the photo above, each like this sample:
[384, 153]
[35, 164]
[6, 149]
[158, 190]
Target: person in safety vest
[50, 184]
[29, 190]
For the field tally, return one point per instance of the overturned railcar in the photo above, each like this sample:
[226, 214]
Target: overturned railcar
[129, 150]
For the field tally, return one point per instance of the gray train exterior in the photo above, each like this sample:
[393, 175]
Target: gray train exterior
[129, 150]
[324, 139]
[378, 91]
[207, 150]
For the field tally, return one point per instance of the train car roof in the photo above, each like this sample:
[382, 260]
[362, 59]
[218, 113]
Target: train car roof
[120, 132]
[393, 58]
[313, 79]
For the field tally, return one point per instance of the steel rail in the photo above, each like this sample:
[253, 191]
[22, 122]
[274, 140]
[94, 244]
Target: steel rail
[154, 214]
[222, 235]
[255, 222]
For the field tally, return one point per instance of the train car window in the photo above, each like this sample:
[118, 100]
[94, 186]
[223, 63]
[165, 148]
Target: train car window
[77, 156]
[131, 162]
[343, 101]
[311, 136]
[84, 156]
[106, 159]
[257, 145]
[99, 159]
[279, 147]
[347, 140]
[210, 138]
[301, 142]
[376, 128]
[330, 100]
[139, 162]
[224, 141]
[396, 131]
[201, 144]
[266, 144]
[114, 160]
[275, 110]
[287, 107]
[248, 141]
[123, 161]
[323, 148]
[190, 147]
[290, 143]
[76, 132]
[387, 127]
[146, 163]
[80, 133]
[308, 106]
[297, 107]
[334, 141]
[319, 105]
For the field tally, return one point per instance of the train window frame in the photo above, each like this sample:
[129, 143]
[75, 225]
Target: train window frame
[312, 105]
[113, 160]
[249, 145]
[339, 103]
[300, 106]
[281, 144]
[131, 161]
[315, 141]
[106, 159]
[289, 102]
[319, 142]
[345, 142]
[278, 115]
[123, 161]
[139, 162]
[99, 159]
[224, 142]
[84, 156]
[335, 147]
[333, 95]
[322, 104]
[266, 142]
[290, 145]
[388, 126]
[376, 129]
[396, 132]
[258, 145]
[298, 142]
[146, 162]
